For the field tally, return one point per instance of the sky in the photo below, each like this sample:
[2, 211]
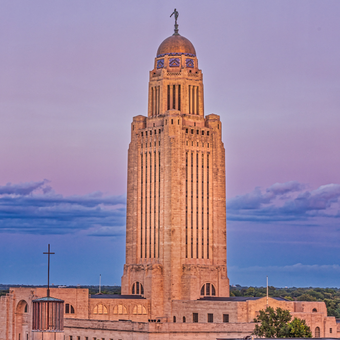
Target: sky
[75, 72]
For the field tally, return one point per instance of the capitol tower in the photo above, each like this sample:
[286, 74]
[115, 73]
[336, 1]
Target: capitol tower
[176, 191]
[175, 283]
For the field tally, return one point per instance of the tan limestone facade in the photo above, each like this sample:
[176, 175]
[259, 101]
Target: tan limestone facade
[176, 212]
[103, 317]
[175, 283]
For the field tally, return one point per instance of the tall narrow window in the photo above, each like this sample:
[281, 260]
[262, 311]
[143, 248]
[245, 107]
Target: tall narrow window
[159, 99]
[197, 205]
[207, 286]
[152, 102]
[168, 97]
[189, 91]
[174, 97]
[197, 101]
[156, 100]
[146, 206]
[154, 204]
[150, 201]
[186, 205]
[159, 200]
[179, 97]
[208, 206]
[141, 210]
[192, 206]
[202, 206]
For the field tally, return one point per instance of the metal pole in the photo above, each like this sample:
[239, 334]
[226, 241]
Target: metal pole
[267, 291]
[48, 274]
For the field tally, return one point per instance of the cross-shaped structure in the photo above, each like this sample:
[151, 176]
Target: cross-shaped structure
[48, 274]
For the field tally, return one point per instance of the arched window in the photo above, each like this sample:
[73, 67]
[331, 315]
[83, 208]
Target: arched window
[137, 289]
[314, 310]
[139, 309]
[22, 307]
[100, 309]
[69, 309]
[119, 309]
[184, 319]
[208, 289]
[317, 332]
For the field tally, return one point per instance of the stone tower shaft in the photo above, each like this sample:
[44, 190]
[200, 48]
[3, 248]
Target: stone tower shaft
[176, 204]
[175, 86]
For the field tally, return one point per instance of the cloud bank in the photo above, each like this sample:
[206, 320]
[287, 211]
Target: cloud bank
[290, 201]
[34, 208]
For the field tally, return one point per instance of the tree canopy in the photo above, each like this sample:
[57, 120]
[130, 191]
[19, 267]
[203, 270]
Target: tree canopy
[331, 296]
[272, 323]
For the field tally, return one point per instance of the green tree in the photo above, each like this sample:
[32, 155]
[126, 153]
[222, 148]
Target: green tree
[250, 292]
[289, 298]
[272, 323]
[306, 297]
[299, 329]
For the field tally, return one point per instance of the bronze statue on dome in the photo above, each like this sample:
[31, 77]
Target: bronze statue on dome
[176, 14]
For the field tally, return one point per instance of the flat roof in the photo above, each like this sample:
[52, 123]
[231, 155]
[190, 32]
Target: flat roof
[116, 296]
[48, 299]
[236, 298]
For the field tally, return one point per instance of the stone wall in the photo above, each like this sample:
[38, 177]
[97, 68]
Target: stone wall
[127, 330]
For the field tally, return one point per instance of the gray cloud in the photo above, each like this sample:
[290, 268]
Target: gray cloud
[285, 202]
[24, 188]
[35, 208]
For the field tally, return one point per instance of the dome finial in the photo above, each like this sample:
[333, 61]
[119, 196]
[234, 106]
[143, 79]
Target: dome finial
[176, 25]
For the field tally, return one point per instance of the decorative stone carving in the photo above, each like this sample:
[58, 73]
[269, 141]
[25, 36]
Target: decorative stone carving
[174, 62]
[160, 63]
[189, 62]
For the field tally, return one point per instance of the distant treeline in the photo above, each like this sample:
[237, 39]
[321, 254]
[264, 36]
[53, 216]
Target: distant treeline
[4, 289]
[331, 296]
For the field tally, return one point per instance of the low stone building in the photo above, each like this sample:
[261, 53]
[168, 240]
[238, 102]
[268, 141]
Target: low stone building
[89, 317]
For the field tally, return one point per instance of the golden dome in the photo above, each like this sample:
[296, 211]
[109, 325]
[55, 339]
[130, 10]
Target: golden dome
[176, 44]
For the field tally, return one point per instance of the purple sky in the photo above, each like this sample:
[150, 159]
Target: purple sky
[74, 73]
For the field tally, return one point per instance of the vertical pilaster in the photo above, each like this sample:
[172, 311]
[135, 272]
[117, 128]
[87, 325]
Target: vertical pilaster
[171, 96]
